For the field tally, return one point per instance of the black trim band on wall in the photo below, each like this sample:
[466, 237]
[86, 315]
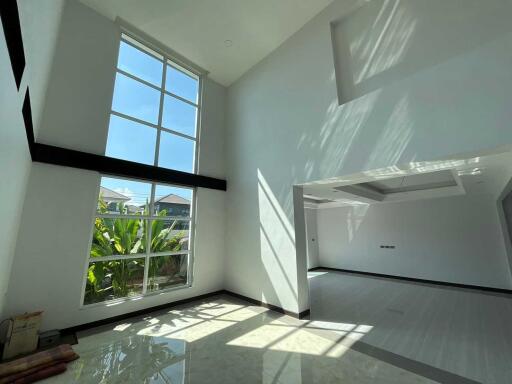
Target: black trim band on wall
[27, 119]
[13, 38]
[416, 280]
[50, 154]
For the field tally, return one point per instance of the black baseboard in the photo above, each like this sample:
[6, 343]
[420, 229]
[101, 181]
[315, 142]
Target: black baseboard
[416, 280]
[142, 312]
[274, 308]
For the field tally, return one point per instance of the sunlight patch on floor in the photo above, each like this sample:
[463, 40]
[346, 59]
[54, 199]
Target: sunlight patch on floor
[313, 338]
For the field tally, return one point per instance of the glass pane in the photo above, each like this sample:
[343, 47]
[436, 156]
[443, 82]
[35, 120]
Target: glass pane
[108, 280]
[172, 201]
[118, 237]
[181, 84]
[142, 47]
[169, 235]
[123, 196]
[140, 64]
[176, 152]
[179, 116]
[167, 271]
[131, 141]
[135, 99]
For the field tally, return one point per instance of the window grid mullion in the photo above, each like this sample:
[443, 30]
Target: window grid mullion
[148, 240]
[137, 256]
[160, 116]
[151, 125]
[117, 257]
[142, 217]
[150, 217]
[156, 87]
[180, 98]
[136, 78]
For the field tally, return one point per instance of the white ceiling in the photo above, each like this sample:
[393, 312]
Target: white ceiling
[198, 29]
[412, 182]
[474, 175]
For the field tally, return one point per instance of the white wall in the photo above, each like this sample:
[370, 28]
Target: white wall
[311, 237]
[57, 219]
[285, 126]
[40, 23]
[455, 239]
[402, 39]
[39, 36]
[14, 167]
[79, 95]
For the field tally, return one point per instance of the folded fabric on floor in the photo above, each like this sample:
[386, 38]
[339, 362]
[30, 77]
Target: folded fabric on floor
[45, 363]
[41, 374]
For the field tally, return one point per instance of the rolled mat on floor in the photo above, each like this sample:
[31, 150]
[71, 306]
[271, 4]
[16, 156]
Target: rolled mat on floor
[37, 366]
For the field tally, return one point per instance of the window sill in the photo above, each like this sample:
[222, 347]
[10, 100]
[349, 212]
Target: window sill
[114, 302]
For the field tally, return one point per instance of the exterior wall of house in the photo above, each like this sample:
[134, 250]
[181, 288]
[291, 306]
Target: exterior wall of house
[174, 209]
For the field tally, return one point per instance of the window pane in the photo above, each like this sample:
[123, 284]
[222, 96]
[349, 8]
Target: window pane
[140, 64]
[179, 116]
[118, 237]
[169, 235]
[176, 152]
[120, 196]
[108, 280]
[172, 201]
[167, 271]
[135, 99]
[181, 84]
[131, 141]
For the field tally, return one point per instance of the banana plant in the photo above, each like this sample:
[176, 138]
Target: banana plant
[128, 236]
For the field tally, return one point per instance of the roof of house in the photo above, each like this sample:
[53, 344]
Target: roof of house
[134, 208]
[109, 194]
[173, 199]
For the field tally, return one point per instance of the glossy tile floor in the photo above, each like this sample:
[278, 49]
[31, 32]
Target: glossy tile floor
[362, 330]
[449, 334]
[224, 340]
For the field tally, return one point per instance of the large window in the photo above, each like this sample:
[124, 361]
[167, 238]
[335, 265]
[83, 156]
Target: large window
[142, 238]
[155, 109]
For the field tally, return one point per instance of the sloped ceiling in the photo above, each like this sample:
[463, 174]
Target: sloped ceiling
[225, 37]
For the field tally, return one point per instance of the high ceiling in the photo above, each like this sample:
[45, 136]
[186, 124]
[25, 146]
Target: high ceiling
[225, 37]
[488, 173]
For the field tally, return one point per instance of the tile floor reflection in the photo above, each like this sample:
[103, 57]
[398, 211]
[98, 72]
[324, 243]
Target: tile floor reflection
[454, 334]
[225, 340]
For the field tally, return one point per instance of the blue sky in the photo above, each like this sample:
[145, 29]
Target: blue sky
[134, 141]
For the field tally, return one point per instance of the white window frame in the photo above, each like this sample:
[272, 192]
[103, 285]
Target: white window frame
[147, 255]
[179, 64]
[166, 60]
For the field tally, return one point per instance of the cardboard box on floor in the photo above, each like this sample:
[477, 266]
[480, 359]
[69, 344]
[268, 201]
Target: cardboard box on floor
[22, 334]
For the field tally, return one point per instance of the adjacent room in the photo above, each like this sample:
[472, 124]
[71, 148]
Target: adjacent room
[293, 191]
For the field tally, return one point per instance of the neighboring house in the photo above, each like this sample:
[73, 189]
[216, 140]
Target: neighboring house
[112, 198]
[174, 205]
[134, 209]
